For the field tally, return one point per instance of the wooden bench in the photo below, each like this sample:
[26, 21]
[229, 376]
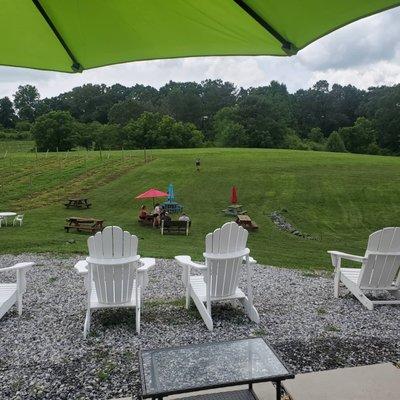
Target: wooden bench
[90, 225]
[176, 227]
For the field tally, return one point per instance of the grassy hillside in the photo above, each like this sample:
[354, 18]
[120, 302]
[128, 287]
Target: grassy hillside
[337, 198]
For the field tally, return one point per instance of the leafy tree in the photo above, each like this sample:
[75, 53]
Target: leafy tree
[124, 111]
[182, 101]
[26, 100]
[335, 143]
[263, 121]
[7, 113]
[154, 130]
[359, 138]
[228, 132]
[23, 126]
[316, 135]
[55, 130]
[383, 106]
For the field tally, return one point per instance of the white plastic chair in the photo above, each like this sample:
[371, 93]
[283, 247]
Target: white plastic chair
[18, 219]
[380, 268]
[12, 293]
[225, 254]
[3, 220]
[115, 275]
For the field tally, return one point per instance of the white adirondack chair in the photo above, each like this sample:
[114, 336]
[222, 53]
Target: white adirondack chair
[115, 275]
[12, 293]
[225, 254]
[380, 268]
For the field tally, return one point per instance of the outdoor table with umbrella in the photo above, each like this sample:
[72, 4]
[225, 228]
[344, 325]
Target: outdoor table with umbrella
[72, 36]
[171, 205]
[150, 194]
[234, 208]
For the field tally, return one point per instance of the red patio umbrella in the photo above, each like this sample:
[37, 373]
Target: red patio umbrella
[234, 198]
[151, 194]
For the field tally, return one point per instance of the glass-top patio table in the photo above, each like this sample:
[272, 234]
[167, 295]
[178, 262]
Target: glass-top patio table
[192, 368]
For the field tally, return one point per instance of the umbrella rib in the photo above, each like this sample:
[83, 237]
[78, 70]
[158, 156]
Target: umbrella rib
[288, 47]
[76, 66]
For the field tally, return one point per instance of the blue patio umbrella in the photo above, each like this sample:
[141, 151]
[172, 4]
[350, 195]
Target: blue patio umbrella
[170, 191]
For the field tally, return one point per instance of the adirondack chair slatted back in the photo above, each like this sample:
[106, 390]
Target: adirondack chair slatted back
[224, 274]
[382, 270]
[114, 283]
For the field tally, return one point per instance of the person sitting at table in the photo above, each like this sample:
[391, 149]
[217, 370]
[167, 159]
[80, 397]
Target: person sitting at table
[166, 218]
[156, 214]
[143, 214]
[184, 217]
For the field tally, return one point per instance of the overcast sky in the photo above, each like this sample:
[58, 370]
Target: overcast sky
[365, 53]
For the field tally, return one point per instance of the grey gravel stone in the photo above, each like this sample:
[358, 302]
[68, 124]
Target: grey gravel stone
[43, 354]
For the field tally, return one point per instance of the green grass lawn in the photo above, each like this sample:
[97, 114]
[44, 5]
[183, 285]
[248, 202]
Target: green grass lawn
[337, 198]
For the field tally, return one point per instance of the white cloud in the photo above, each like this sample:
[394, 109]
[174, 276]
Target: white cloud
[365, 53]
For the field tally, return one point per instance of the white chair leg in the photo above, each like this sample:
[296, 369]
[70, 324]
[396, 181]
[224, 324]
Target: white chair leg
[138, 321]
[336, 283]
[364, 300]
[86, 326]
[187, 305]
[138, 309]
[203, 312]
[19, 301]
[251, 311]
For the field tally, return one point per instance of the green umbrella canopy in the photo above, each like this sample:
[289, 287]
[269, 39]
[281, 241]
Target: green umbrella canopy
[74, 35]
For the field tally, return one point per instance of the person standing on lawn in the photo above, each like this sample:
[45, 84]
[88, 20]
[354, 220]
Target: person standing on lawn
[197, 164]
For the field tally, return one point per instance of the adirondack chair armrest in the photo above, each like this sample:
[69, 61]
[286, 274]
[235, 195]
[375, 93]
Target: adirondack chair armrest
[81, 267]
[18, 267]
[251, 260]
[142, 272]
[186, 261]
[338, 255]
[147, 263]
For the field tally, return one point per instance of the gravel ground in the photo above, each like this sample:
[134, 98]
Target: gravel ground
[43, 354]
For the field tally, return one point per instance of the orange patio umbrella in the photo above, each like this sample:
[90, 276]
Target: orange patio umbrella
[234, 198]
[152, 194]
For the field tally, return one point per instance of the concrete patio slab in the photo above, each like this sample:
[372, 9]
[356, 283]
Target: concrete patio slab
[371, 382]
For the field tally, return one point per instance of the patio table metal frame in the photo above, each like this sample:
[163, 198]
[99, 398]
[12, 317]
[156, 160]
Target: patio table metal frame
[250, 394]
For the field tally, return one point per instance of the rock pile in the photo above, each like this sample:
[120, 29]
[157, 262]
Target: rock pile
[281, 223]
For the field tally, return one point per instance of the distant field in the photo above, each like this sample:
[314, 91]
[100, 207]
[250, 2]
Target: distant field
[337, 198]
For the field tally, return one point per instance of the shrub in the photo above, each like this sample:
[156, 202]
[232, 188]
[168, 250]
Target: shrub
[335, 143]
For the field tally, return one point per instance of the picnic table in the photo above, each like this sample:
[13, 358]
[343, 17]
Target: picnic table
[91, 225]
[78, 203]
[234, 209]
[245, 221]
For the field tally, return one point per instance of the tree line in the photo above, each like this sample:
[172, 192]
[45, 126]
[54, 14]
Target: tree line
[210, 113]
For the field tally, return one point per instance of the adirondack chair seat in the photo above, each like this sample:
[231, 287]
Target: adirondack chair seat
[353, 275]
[225, 254]
[8, 296]
[199, 287]
[12, 293]
[379, 272]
